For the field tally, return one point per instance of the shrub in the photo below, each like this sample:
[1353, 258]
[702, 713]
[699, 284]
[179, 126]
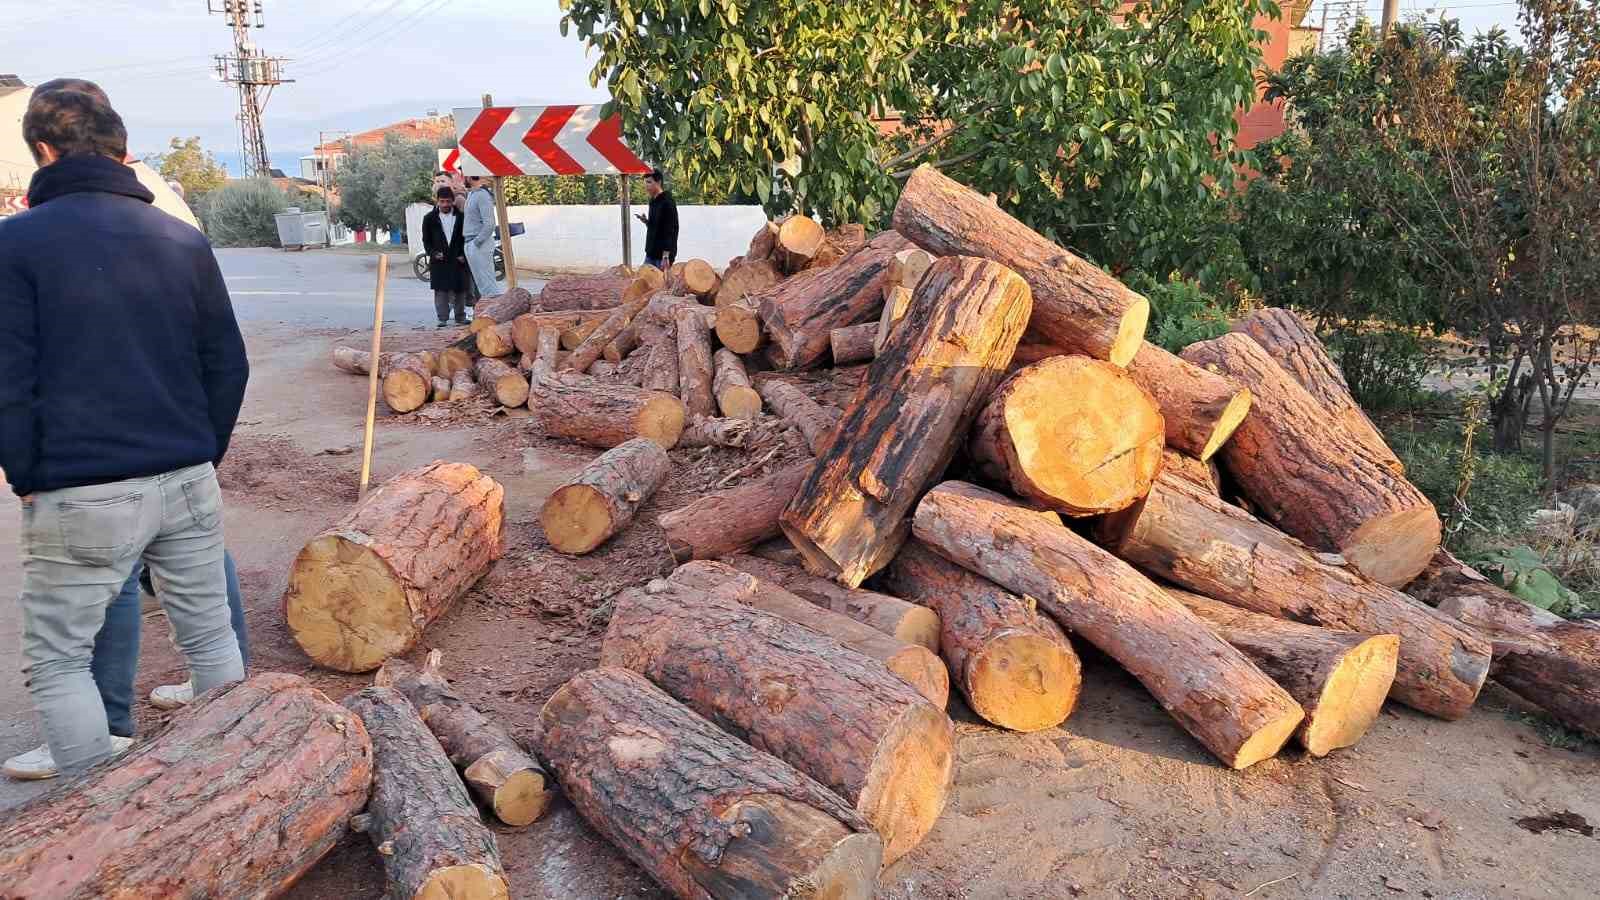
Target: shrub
[1504, 489]
[1181, 311]
[1384, 366]
[240, 214]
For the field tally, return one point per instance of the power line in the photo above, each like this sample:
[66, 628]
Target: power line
[345, 54]
[334, 33]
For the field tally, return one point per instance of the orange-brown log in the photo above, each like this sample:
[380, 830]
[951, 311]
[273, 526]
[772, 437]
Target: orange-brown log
[799, 314]
[731, 386]
[661, 368]
[602, 499]
[626, 341]
[500, 309]
[700, 279]
[407, 381]
[891, 240]
[496, 340]
[799, 239]
[763, 242]
[452, 360]
[505, 384]
[1201, 408]
[595, 342]
[909, 266]
[463, 386]
[525, 328]
[695, 371]
[546, 352]
[909, 622]
[853, 343]
[439, 390]
[604, 415]
[574, 336]
[753, 277]
[567, 292]
[895, 304]
[732, 520]
[739, 326]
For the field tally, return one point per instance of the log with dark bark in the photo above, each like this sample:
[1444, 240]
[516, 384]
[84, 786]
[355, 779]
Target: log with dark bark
[604, 415]
[908, 417]
[463, 386]
[505, 384]
[909, 622]
[736, 519]
[1014, 666]
[1203, 475]
[594, 344]
[407, 380]
[496, 340]
[799, 239]
[501, 309]
[1072, 434]
[420, 818]
[661, 369]
[829, 711]
[799, 314]
[853, 343]
[366, 588]
[1303, 472]
[601, 500]
[895, 304]
[752, 277]
[1213, 690]
[706, 815]
[1192, 538]
[525, 328]
[246, 789]
[1546, 660]
[1076, 305]
[731, 385]
[626, 341]
[565, 292]
[1201, 408]
[739, 326]
[694, 363]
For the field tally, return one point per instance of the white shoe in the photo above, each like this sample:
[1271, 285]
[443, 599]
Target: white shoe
[37, 764]
[172, 696]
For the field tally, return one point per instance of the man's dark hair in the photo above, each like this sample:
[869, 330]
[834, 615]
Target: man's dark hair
[444, 193]
[656, 176]
[81, 85]
[75, 123]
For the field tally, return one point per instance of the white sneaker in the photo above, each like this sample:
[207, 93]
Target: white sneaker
[172, 696]
[37, 764]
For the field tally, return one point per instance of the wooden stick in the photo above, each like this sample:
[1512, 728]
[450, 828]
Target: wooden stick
[372, 377]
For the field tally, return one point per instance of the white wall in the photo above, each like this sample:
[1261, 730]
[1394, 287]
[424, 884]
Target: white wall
[590, 237]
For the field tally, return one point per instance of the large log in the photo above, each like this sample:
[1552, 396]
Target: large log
[731, 385]
[1201, 408]
[1289, 342]
[799, 314]
[661, 366]
[494, 766]
[853, 343]
[1340, 678]
[799, 239]
[1076, 305]
[1203, 475]
[815, 422]
[1549, 661]
[505, 384]
[420, 818]
[366, 588]
[525, 328]
[594, 345]
[582, 292]
[1213, 690]
[546, 353]
[1302, 471]
[406, 381]
[1072, 434]
[574, 336]
[704, 814]
[914, 664]
[907, 417]
[604, 415]
[1192, 538]
[825, 709]
[752, 277]
[602, 499]
[496, 340]
[893, 616]
[1014, 666]
[724, 522]
[246, 789]
[694, 363]
[500, 309]
[739, 326]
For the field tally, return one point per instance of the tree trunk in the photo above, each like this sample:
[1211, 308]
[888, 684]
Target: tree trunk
[1201, 408]
[815, 422]
[505, 384]
[594, 345]
[1317, 484]
[897, 618]
[703, 813]
[731, 385]
[798, 240]
[525, 328]
[1340, 678]
[545, 353]
[1213, 691]
[366, 588]
[700, 279]
[1194, 539]
[582, 292]
[694, 363]
[500, 310]
[853, 343]
[407, 381]
[739, 326]
[763, 243]
[895, 304]
[908, 417]
[752, 277]
[1071, 434]
[661, 371]
[829, 711]
[626, 341]
[239, 797]
[496, 340]
[730, 521]
[604, 415]
[420, 818]
[891, 240]
[441, 389]
[453, 360]
[912, 663]
[1546, 660]
[1014, 666]
[1203, 475]
[463, 386]
[703, 432]
[572, 338]
[581, 514]
[1075, 304]
[799, 314]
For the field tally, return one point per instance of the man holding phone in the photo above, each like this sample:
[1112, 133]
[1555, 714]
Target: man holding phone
[661, 225]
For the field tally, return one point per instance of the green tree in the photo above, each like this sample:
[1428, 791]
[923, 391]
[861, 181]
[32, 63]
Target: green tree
[376, 183]
[241, 213]
[191, 166]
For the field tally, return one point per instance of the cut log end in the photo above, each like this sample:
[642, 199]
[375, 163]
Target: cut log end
[906, 788]
[519, 793]
[405, 391]
[661, 419]
[1232, 415]
[1353, 696]
[577, 519]
[1267, 739]
[345, 607]
[1024, 681]
[1130, 332]
[472, 881]
[1394, 548]
[842, 863]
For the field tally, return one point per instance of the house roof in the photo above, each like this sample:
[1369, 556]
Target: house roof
[427, 128]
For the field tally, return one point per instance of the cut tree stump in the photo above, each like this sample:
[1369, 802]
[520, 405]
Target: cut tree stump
[908, 417]
[525, 328]
[825, 709]
[1192, 538]
[661, 367]
[1201, 408]
[463, 386]
[496, 340]
[594, 344]
[1076, 305]
[1546, 660]
[1212, 690]
[895, 304]
[1305, 474]
[703, 813]
[505, 384]
[366, 588]
[626, 341]
[420, 818]
[739, 326]
[799, 238]
[799, 314]
[753, 277]
[604, 415]
[1014, 666]
[581, 514]
[406, 381]
[815, 422]
[1340, 678]
[243, 793]
[500, 310]
[565, 292]
[694, 363]
[494, 766]
[853, 344]
[700, 279]
[733, 520]
[731, 385]
[893, 616]
[1071, 434]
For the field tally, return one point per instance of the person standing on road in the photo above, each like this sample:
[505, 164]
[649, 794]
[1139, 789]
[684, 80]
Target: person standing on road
[478, 230]
[445, 244]
[111, 471]
[661, 225]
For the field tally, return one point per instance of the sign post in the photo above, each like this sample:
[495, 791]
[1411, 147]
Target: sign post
[504, 219]
[627, 227]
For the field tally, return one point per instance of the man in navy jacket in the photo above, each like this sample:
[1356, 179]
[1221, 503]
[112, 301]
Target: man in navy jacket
[122, 371]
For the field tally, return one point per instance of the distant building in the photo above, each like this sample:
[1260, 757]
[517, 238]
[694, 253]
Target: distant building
[326, 156]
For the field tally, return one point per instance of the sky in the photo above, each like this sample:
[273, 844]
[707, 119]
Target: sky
[357, 64]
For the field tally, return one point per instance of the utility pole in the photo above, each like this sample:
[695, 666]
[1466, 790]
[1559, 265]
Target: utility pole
[255, 74]
[1322, 32]
[1391, 12]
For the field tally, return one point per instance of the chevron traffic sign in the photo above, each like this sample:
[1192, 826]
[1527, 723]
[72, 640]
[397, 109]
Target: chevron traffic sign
[542, 140]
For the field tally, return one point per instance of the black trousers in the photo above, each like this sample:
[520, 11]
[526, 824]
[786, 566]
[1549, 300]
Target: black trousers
[446, 301]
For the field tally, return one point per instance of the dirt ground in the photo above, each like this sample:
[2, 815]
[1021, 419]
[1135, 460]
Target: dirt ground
[1116, 802]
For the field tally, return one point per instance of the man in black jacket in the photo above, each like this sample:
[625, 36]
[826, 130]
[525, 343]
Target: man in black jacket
[661, 225]
[113, 459]
[447, 257]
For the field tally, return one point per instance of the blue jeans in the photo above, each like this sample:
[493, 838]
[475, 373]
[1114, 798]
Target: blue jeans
[654, 262]
[116, 647]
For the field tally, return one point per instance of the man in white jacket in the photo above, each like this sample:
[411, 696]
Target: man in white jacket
[478, 229]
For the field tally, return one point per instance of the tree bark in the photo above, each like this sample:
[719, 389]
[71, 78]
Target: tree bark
[1213, 691]
[626, 341]
[799, 238]
[1014, 666]
[420, 818]
[895, 303]
[1202, 475]
[525, 328]
[731, 385]
[1340, 678]
[359, 362]
[604, 415]
[853, 343]
[601, 501]
[815, 422]
[496, 340]
[406, 382]
[663, 308]
[799, 314]
[594, 345]
[169, 818]
[1194, 539]
[891, 240]
[752, 277]
[1201, 408]
[463, 386]
[694, 363]
[829, 711]
[893, 616]
[730, 521]
[573, 337]
[500, 310]
[566, 292]
[661, 371]
[505, 384]
[366, 588]
[1075, 304]
[703, 432]
[1071, 434]
[1302, 471]
[763, 243]
[545, 353]
[739, 326]
[704, 814]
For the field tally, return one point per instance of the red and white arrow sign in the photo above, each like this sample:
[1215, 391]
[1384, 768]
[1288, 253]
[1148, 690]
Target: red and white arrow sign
[16, 204]
[543, 140]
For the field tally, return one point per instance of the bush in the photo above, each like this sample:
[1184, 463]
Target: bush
[1181, 311]
[1503, 491]
[241, 214]
[1383, 366]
